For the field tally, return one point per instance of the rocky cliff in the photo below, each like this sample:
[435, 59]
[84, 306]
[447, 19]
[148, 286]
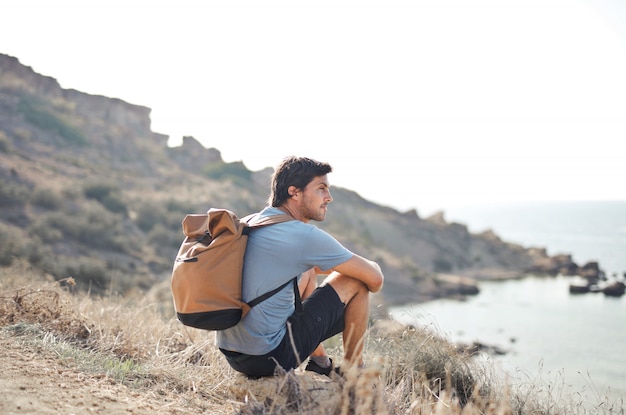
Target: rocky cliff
[89, 191]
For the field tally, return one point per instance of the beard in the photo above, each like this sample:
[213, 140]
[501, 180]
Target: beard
[313, 211]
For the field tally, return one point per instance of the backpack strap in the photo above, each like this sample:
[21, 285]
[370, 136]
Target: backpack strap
[296, 293]
[252, 223]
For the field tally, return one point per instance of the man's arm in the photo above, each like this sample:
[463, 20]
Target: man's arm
[364, 270]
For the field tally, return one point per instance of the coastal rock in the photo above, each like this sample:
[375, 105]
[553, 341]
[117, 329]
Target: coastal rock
[553, 265]
[456, 285]
[477, 347]
[590, 271]
[610, 288]
[579, 286]
[614, 289]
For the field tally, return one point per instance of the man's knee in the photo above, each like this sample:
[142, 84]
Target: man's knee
[346, 287]
[307, 283]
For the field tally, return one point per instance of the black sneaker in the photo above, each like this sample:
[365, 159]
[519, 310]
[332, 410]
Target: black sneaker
[326, 371]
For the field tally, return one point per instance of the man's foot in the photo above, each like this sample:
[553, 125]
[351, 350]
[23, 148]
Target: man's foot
[326, 371]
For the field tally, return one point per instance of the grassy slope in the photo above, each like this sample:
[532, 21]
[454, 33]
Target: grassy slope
[130, 353]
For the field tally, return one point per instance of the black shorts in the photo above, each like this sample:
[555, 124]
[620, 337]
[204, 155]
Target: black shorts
[321, 317]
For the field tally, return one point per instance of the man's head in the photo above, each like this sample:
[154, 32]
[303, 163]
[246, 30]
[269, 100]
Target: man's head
[292, 176]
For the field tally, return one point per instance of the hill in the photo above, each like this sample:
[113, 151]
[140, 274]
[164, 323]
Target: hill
[88, 190]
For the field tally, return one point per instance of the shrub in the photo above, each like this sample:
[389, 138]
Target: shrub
[108, 195]
[23, 134]
[44, 229]
[168, 242]
[114, 204]
[176, 212]
[236, 171]
[38, 253]
[149, 215]
[37, 112]
[91, 272]
[13, 194]
[442, 366]
[176, 206]
[10, 243]
[46, 198]
[91, 225]
[5, 144]
[98, 191]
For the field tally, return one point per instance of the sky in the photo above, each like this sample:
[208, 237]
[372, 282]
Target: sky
[424, 105]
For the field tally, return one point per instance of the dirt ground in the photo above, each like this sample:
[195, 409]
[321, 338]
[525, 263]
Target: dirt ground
[34, 380]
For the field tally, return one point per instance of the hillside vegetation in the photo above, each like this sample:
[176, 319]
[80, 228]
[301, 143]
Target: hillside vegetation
[88, 191]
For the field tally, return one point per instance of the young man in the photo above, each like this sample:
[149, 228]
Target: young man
[276, 332]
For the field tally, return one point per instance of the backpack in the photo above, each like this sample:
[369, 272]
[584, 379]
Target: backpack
[207, 274]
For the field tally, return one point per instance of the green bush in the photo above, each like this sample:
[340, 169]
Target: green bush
[115, 204]
[236, 171]
[39, 113]
[5, 144]
[89, 273]
[169, 215]
[13, 194]
[149, 215]
[98, 191]
[38, 253]
[23, 134]
[176, 206]
[45, 230]
[10, 243]
[91, 225]
[167, 242]
[108, 195]
[176, 212]
[46, 198]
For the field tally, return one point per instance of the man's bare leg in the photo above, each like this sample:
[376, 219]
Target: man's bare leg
[355, 295]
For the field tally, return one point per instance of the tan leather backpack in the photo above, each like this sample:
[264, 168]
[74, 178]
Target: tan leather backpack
[207, 274]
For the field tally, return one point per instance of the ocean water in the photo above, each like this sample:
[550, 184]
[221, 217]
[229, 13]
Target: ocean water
[575, 343]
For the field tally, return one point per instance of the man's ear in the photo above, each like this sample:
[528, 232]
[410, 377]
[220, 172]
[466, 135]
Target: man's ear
[292, 190]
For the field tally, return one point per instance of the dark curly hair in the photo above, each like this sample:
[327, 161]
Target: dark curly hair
[294, 171]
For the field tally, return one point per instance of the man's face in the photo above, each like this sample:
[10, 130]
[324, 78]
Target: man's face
[315, 199]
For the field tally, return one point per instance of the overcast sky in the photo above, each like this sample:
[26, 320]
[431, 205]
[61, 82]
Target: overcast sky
[416, 104]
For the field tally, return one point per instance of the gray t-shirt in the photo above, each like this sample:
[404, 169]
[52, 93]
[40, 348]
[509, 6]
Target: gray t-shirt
[275, 254]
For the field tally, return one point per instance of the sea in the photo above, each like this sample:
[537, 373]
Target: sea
[573, 344]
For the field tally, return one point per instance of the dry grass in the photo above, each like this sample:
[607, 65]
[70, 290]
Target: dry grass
[135, 343]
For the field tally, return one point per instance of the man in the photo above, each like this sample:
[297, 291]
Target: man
[276, 331]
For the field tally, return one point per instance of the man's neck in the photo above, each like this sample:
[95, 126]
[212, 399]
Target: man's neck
[293, 212]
